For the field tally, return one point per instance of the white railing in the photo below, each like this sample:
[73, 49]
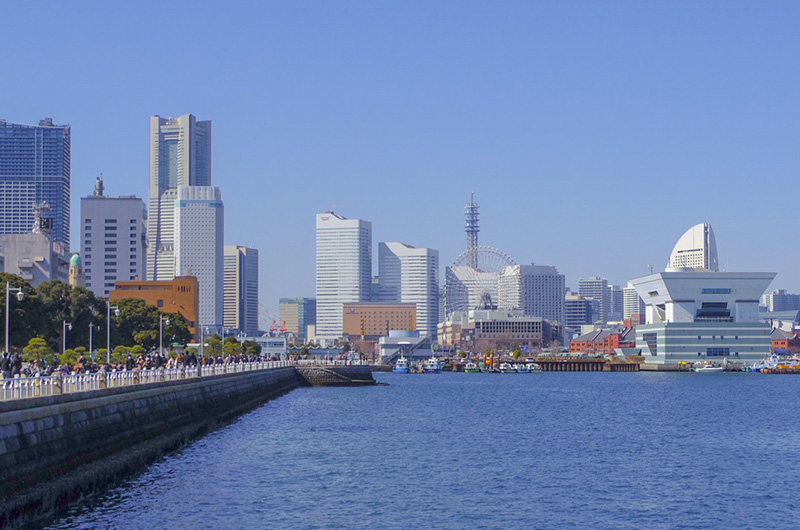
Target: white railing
[29, 387]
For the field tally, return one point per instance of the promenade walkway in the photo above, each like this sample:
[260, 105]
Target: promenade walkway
[38, 386]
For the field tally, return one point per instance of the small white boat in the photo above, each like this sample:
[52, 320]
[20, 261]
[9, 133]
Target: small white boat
[401, 366]
[472, 368]
[707, 368]
[534, 368]
[507, 369]
[432, 366]
[521, 368]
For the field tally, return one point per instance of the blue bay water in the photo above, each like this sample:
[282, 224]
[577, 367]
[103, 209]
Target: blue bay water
[553, 450]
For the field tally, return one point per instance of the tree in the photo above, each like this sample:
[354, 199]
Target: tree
[38, 350]
[120, 354]
[231, 347]
[214, 347]
[26, 318]
[64, 303]
[251, 348]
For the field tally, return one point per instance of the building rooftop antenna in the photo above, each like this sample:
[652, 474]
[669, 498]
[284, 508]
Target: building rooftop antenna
[472, 230]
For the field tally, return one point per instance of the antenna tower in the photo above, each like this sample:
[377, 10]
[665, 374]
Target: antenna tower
[472, 232]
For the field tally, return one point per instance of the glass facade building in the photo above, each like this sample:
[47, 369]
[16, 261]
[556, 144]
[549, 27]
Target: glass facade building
[34, 168]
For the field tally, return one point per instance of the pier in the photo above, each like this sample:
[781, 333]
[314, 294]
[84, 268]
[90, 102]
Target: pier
[67, 438]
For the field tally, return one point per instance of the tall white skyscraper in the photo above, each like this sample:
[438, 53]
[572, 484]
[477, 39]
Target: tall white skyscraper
[344, 269]
[634, 305]
[241, 289]
[113, 242]
[180, 155]
[411, 275]
[199, 245]
[597, 289]
[696, 249]
[538, 290]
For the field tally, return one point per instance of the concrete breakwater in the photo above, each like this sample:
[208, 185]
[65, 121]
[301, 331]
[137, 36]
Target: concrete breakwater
[61, 449]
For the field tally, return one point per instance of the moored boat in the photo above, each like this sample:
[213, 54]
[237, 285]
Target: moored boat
[432, 366]
[506, 368]
[472, 368]
[707, 368]
[401, 366]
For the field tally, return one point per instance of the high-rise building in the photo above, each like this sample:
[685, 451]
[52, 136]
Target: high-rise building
[411, 275]
[241, 289]
[35, 168]
[597, 288]
[696, 249]
[199, 241]
[633, 305]
[578, 311]
[344, 269]
[616, 303]
[780, 300]
[180, 155]
[297, 314]
[113, 239]
[537, 290]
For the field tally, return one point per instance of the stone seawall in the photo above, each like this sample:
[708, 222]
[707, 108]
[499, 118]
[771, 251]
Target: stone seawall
[57, 450]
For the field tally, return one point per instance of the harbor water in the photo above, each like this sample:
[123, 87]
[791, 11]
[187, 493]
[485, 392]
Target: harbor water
[553, 450]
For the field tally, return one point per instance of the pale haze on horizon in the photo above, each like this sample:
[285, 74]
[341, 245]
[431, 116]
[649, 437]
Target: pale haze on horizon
[593, 134]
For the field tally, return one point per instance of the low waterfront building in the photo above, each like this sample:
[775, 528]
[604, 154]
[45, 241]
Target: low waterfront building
[603, 342]
[481, 329]
[179, 296]
[692, 315]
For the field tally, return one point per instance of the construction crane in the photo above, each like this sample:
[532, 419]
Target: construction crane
[271, 321]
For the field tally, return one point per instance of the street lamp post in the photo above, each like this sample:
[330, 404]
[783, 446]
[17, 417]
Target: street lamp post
[161, 321]
[64, 326]
[109, 307]
[20, 297]
[91, 350]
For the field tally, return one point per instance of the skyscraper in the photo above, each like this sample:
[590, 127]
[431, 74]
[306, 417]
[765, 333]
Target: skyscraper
[634, 305]
[35, 168]
[411, 275]
[241, 289]
[344, 269]
[538, 290]
[597, 289]
[180, 155]
[113, 241]
[199, 241]
[297, 314]
[696, 249]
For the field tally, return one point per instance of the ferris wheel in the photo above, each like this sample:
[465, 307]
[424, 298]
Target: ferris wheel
[472, 282]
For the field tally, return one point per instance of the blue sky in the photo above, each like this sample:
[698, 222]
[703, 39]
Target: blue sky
[593, 134]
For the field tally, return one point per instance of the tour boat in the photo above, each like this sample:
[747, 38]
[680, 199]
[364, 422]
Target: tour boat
[401, 366]
[707, 368]
[472, 368]
[432, 366]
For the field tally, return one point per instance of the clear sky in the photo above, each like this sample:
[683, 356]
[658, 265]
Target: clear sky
[593, 134]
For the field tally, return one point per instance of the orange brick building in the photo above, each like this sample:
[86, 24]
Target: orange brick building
[179, 296]
[603, 342]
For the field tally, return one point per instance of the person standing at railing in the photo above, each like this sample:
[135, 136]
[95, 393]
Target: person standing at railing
[5, 366]
[16, 364]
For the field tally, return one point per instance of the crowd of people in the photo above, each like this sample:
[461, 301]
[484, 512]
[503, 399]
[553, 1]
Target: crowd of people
[13, 366]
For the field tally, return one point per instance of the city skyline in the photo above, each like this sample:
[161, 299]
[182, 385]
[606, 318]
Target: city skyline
[581, 131]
